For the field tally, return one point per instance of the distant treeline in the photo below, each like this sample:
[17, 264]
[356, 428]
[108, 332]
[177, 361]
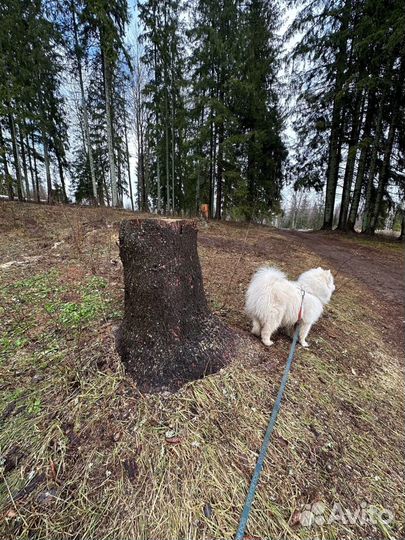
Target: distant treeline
[196, 87]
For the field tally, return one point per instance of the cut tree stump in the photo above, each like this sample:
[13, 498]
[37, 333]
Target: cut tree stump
[168, 335]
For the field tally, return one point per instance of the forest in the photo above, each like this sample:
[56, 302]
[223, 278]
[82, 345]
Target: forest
[189, 189]
[205, 95]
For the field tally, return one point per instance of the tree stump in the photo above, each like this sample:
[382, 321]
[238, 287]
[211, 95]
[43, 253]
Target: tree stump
[168, 335]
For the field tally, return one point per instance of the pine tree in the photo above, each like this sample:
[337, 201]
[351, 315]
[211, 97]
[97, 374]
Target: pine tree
[256, 106]
[141, 127]
[351, 76]
[107, 20]
[95, 102]
[30, 97]
[162, 57]
[78, 51]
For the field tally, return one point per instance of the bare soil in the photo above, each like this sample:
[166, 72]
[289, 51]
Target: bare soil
[380, 270]
[379, 267]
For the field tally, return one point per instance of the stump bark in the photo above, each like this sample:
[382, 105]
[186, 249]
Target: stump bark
[168, 335]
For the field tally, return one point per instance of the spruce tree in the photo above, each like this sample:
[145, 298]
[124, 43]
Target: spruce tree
[107, 21]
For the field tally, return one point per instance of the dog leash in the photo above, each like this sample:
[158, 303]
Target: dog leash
[266, 441]
[302, 302]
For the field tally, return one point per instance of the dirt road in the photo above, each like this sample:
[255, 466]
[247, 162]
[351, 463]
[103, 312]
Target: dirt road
[379, 267]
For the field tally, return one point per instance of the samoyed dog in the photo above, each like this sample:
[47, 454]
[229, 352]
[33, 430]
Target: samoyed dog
[272, 301]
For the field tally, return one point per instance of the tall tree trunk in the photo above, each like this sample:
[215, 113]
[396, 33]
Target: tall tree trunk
[167, 153]
[166, 105]
[157, 79]
[138, 144]
[47, 168]
[197, 189]
[24, 162]
[139, 194]
[350, 163]
[119, 177]
[16, 154]
[250, 175]
[333, 166]
[384, 174]
[402, 235]
[61, 176]
[7, 177]
[211, 171]
[214, 170]
[100, 189]
[173, 165]
[159, 194]
[335, 143]
[372, 171]
[142, 196]
[220, 170]
[27, 144]
[144, 184]
[110, 139]
[198, 178]
[362, 165]
[34, 155]
[131, 195]
[105, 188]
[88, 148]
[180, 184]
[173, 138]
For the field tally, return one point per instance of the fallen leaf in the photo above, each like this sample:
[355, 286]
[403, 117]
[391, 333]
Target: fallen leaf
[173, 440]
[283, 441]
[295, 518]
[53, 470]
[46, 497]
[207, 510]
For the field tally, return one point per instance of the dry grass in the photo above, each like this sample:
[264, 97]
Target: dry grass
[86, 456]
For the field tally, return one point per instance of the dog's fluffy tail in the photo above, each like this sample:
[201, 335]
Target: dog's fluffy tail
[267, 275]
[257, 295]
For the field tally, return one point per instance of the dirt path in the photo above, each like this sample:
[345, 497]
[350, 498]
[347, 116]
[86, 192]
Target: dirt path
[383, 273]
[381, 270]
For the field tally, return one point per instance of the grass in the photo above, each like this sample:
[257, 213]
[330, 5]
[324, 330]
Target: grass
[85, 455]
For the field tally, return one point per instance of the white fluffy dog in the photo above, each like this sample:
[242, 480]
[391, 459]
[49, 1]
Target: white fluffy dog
[272, 301]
